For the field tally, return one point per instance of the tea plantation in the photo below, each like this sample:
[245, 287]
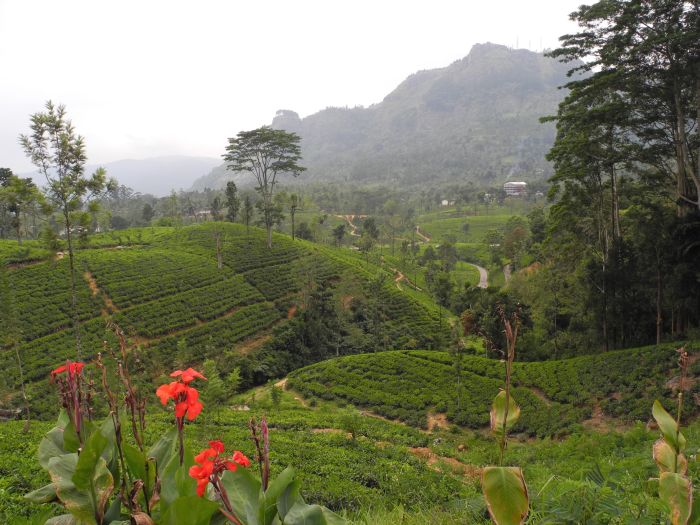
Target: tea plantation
[554, 395]
[164, 288]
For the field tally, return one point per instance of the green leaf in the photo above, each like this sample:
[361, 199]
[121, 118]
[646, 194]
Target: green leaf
[87, 462]
[140, 468]
[289, 498]
[244, 493]
[63, 519]
[51, 446]
[677, 492]
[77, 502]
[175, 480]
[303, 514]
[45, 494]
[164, 449]
[498, 412]
[71, 442]
[268, 506]
[668, 427]
[664, 456]
[191, 510]
[506, 495]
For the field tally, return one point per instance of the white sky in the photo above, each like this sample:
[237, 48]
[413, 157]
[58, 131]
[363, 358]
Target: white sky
[149, 77]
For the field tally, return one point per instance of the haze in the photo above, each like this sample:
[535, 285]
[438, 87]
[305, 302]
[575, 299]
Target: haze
[143, 79]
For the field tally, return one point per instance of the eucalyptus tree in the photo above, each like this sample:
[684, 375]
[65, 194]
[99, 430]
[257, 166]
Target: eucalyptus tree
[266, 153]
[233, 201]
[59, 154]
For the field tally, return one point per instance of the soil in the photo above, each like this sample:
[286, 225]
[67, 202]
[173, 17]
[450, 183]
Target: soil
[435, 462]
[437, 421]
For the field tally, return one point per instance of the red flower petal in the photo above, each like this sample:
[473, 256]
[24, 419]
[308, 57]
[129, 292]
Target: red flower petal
[181, 409]
[217, 445]
[164, 392]
[202, 486]
[241, 459]
[58, 370]
[203, 456]
[192, 395]
[231, 466]
[193, 410]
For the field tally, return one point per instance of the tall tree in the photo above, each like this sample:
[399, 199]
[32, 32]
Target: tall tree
[233, 201]
[215, 206]
[59, 154]
[338, 234]
[266, 153]
[247, 212]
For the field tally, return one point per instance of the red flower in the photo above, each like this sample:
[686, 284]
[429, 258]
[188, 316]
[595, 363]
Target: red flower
[211, 464]
[185, 397]
[187, 375]
[73, 368]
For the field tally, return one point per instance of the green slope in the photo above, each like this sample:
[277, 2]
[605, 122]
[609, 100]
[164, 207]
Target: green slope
[554, 395]
[162, 285]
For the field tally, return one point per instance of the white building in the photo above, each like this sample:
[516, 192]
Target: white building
[515, 188]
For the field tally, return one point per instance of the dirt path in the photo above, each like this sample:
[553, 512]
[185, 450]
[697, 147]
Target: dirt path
[421, 235]
[399, 276]
[435, 462]
[507, 270]
[483, 276]
[349, 219]
[110, 307]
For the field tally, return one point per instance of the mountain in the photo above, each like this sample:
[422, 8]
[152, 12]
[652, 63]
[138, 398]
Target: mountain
[476, 119]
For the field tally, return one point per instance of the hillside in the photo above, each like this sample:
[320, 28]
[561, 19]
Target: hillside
[476, 119]
[554, 395]
[163, 288]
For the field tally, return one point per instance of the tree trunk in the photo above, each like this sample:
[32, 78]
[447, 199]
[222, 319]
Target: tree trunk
[292, 214]
[682, 154]
[19, 229]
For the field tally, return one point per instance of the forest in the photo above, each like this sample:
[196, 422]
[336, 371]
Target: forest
[289, 346]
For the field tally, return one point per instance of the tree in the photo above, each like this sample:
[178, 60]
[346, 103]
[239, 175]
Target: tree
[293, 206]
[266, 153]
[365, 245]
[147, 213]
[215, 208]
[18, 196]
[233, 202]
[215, 388]
[59, 154]
[338, 234]
[305, 232]
[248, 212]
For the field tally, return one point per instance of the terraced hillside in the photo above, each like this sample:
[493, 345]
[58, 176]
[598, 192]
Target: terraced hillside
[164, 288]
[554, 395]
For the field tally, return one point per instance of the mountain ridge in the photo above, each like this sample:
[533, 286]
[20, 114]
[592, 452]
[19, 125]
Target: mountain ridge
[476, 119]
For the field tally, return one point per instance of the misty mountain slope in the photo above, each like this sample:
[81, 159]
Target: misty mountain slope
[476, 119]
[159, 175]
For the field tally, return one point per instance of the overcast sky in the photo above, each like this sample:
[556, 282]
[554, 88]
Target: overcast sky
[148, 77]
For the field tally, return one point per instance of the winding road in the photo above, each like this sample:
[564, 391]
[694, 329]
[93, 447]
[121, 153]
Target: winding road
[483, 276]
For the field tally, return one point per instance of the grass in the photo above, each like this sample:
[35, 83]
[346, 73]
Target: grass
[379, 477]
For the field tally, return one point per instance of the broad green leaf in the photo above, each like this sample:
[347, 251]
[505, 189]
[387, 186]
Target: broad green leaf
[695, 513]
[71, 442]
[268, 506]
[506, 495]
[140, 468]
[289, 498]
[77, 502]
[45, 494]
[498, 412]
[63, 519]
[191, 510]
[175, 481]
[668, 427]
[87, 462]
[51, 446]
[664, 456]
[677, 492]
[303, 514]
[244, 493]
[164, 449]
